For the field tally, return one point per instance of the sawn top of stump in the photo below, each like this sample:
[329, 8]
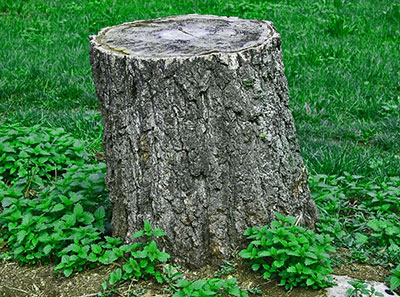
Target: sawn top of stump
[188, 35]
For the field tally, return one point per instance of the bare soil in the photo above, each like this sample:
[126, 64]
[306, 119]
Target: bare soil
[40, 280]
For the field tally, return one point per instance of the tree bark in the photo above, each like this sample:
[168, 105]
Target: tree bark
[198, 135]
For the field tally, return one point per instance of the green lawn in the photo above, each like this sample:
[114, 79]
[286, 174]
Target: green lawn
[342, 62]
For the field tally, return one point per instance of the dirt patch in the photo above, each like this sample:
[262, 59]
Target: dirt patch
[35, 281]
[363, 271]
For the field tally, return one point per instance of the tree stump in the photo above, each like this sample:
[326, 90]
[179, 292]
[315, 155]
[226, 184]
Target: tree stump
[198, 136]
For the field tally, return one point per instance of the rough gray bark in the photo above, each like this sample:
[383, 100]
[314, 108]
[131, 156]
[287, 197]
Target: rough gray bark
[198, 136]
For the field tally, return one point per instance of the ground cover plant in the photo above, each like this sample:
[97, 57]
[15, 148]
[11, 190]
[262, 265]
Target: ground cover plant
[341, 59]
[296, 255]
[362, 288]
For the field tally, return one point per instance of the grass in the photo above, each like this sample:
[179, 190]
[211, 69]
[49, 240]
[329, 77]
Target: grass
[341, 60]
[342, 63]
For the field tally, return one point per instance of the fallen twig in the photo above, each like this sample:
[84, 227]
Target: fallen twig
[88, 295]
[15, 289]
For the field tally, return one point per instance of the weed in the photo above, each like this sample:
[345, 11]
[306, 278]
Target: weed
[296, 255]
[142, 262]
[225, 269]
[394, 278]
[209, 287]
[362, 288]
[55, 206]
[360, 215]
[31, 155]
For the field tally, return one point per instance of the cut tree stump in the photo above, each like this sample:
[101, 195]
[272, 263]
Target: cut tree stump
[198, 136]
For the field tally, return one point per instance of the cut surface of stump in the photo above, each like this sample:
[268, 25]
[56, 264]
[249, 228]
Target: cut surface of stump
[198, 136]
[183, 36]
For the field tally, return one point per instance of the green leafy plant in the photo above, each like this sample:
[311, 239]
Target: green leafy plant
[385, 232]
[36, 154]
[360, 215]
[60, 211]
[394, 279]
[362, 288]
[225, 269]
[171, 276]
[209, 287]
[142, 261]
[296, 255]
[61, 223]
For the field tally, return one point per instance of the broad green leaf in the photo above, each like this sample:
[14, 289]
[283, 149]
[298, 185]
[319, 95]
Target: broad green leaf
[158, 232]
[374, 225]
[21, 235]
[197, 285]
[127, 267]
[266, 275]
[232, 281]
[150, 269]
[275, 224]
[182, 283]
[310, 282]
[143, 263]
[163, 257]
[7, 148]
[140, 254]
[104, 260]
[264, 254]
[70, 220]
[18, 250]
[266, 267]
[96, 248]
[58, 207]
[47, 249]
[115, 276]
[113, 240]
[104, 285]
[87, 218]
[27, 220]
[245, 254]
[291, 269]
[147, 227]
[75, 248]
[234, 292]
[158, 277]
[255, 267]
[78, 145]
[293, 253]
[67, 272]
[278, 263]
[100, 213]
[110, 255]
[78, 210]
[65, 200]
[138, 234]
[152, 247]
[309, 261]
[248, 232]
[394, 282]
[392, 230]
[311, 255]
[92, 257]
[290, 220]
[279, 216]
[74, 197]
[361, 239]
[307, 270]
